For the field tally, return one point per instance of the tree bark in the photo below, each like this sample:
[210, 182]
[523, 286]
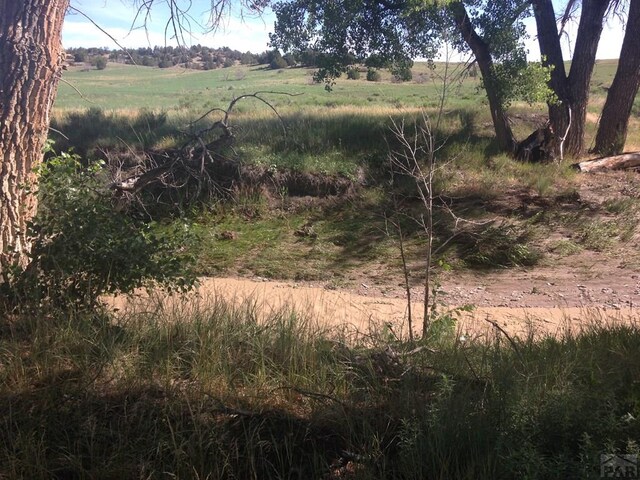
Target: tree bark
[504, 134]
[584, 59]
[612, 130]
[572, 91]
[30, 64]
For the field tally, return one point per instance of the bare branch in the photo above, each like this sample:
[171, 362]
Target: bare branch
[80, 12]
[181, 21]
[76, 89]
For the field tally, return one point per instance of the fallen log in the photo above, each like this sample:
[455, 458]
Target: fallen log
[616, 162]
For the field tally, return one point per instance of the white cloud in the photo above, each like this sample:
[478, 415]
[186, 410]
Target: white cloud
[117, 17]
[252, 34]
[85, 34]
[611, 40]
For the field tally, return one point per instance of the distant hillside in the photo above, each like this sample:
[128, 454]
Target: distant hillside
[196, 57]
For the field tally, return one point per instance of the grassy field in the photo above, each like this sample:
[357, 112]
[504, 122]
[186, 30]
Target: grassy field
[129, 87]
[344, 132]
[195, 389]
[355, 113]
[126, 87]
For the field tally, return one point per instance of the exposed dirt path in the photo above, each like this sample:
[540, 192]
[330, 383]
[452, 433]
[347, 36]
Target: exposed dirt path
[335, 308]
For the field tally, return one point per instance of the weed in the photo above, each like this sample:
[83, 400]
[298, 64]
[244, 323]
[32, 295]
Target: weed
[621, 205]
[564, 248]
[598, 235]
[501, 247]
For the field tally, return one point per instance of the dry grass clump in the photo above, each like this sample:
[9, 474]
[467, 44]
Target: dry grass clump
[214, 391]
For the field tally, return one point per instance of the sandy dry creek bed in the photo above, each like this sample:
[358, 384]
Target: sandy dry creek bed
[555, 309]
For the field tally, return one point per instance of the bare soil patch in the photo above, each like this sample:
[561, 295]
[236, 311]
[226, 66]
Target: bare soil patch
[334, 308]
[567, 289]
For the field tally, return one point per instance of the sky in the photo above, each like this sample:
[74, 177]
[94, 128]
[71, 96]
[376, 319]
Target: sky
[117, 18]
[244, 34]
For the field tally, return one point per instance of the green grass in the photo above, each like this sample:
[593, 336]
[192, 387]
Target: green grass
[209, 390]
[129, 87]
[271, 242]
[341, 133]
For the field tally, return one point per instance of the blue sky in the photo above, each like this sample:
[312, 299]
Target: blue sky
[248, 34]
[117, 17]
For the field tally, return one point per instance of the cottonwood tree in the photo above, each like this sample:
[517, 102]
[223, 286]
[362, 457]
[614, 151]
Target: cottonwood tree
[398, 30]
[567, 114]
[31, 60]
[30, 64]
[395, 31]
[614, 122]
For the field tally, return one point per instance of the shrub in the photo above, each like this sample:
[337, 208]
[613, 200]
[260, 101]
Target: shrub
[209, 65]
[353, 73]
[373, 75]
[403, 74]
[100, 63]
[501, 247]
[83, 248]
[278, 63]
[291, 60]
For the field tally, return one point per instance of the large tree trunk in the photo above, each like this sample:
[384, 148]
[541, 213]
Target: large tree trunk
[612, 131]
[30, 66]
[584, 59]
[572, 91]
[551, 51]
[504, 134]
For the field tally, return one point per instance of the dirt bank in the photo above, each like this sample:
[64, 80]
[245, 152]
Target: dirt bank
[336, 308]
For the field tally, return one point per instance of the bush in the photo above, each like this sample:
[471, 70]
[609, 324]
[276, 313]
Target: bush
[353, 73]
[373, 75]
[80, 56]
[277, 63]
[83, 248]
[403, 75]
[291, 60]
[100, 63]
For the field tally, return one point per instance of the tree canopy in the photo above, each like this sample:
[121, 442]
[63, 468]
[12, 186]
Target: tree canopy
[396, 31]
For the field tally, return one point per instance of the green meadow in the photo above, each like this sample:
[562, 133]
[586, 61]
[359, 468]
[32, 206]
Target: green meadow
[299, 126]
[195, 388]
[123, 87]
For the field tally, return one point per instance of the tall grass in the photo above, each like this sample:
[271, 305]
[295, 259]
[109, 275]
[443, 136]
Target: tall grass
[195, 390]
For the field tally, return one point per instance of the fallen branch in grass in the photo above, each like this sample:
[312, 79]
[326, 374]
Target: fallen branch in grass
[511, 341]
[201, 166]
[616, 162]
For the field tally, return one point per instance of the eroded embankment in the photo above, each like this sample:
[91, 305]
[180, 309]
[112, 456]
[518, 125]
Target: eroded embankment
[341, 308]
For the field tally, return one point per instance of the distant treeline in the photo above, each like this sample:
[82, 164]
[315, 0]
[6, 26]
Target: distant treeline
[196, 57]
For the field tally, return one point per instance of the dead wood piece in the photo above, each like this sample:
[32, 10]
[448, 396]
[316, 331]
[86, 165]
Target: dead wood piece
[615, 162]
[537, 147]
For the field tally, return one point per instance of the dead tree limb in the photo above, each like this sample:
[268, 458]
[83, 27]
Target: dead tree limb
[190, 164]
[616, 162]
